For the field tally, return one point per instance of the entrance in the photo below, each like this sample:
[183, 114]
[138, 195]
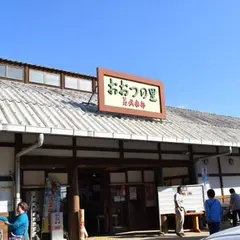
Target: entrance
[91, 199]
[137, 210]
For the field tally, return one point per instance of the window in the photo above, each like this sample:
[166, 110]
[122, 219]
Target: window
[15, 73]
[44, 78]
[86, 85]
[71, 82]
[78, 83]
[11, 72]
[2, 71]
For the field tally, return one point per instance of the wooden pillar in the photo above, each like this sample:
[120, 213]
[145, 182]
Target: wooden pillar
[192, 173]
[159, 180]
[159, 171]
[75, 200]
[220, 174]
[106, 200]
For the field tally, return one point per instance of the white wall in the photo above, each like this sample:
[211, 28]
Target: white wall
[212, 166]
[174, 172]
[6, 161]
[6, 154]
[230, 181]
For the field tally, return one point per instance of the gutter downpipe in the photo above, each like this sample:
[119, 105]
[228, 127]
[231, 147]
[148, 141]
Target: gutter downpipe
[38, 144]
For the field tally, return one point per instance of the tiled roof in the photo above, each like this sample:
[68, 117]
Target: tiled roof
[41, 109]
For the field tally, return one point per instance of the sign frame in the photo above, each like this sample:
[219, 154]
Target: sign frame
[101, 72]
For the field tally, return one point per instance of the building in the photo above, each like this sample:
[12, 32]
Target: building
[108, 161]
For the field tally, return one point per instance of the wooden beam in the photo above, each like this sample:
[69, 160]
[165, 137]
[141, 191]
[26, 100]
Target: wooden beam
[37, 159]
[159, 178]
[112, 149]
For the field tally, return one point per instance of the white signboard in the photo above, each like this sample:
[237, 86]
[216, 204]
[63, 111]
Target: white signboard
[131, 95]
[193, 198]
[57, 226]
[127, 94]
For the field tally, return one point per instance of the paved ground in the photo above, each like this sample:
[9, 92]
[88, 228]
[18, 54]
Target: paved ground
[151, 236]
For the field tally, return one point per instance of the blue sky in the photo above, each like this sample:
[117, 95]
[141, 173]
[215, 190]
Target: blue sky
[193, 46]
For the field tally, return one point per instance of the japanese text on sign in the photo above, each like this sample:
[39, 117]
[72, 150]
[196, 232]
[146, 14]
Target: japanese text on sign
[129, 94]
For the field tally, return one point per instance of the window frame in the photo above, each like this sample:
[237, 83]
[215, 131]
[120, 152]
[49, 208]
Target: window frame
[13, 66]
[44, 77]
[78, 83]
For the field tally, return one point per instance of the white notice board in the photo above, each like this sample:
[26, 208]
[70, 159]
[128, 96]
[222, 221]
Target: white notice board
[6, 197]
[193, 198]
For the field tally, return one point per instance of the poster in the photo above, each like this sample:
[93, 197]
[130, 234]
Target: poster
[132, 193]
[57, 225]
[204, 175]
[52, 201]
[150, 194]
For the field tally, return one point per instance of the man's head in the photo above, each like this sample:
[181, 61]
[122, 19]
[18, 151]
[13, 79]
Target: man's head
[22, 207]
[211, 193]
[179, 189]
[232, 191]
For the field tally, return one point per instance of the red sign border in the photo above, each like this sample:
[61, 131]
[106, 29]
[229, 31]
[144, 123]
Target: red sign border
[101, 72]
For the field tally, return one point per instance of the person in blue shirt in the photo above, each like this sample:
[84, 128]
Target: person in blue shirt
[213, 212]
[18, 224]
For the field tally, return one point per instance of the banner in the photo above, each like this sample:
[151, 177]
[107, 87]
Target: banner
[52, 201]
[204, 176]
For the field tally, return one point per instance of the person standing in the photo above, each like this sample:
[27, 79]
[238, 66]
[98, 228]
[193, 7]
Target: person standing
[18, 224]
[213, 212]
[180, 212]
[234, 206]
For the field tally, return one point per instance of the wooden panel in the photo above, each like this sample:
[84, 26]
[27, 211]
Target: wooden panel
[33, 178]
[134, 176]
[148, 176]
[140, 145]
[97, 154]
[51, 152]
[48, 139]
[97, 142]
[6, 137]
[171, 172]
[142, 155]
[118, 177]
[205, 149]
[175, 157]
[174, 147]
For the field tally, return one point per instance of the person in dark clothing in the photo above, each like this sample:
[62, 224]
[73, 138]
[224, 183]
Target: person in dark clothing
[213, 212]
[234, 206]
